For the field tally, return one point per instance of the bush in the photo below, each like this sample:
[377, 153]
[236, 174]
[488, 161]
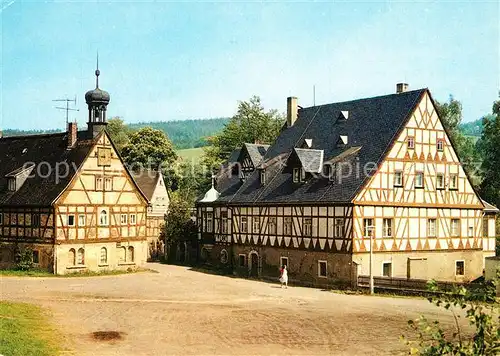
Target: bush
[24, 259]
[482, 311]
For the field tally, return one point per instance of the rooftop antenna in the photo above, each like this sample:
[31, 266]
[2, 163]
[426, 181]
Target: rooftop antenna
[67, 108]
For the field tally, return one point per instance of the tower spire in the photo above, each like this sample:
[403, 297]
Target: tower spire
[97, 72]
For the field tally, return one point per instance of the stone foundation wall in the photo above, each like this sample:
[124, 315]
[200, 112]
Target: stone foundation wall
[45, 255]
[438, 265]
[303, 266]
[92, 256]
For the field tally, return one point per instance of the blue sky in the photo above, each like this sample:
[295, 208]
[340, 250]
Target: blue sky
[182, 60]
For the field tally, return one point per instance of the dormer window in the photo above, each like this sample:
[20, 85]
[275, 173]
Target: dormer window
[328, 172]
[342, 141]
[296, 175]
[12, 184]
[344, 115]
[308, 142]
[263, 177]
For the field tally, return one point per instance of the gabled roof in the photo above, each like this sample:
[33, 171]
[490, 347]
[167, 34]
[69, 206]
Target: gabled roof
[255, 152]
[311, 160]
[146, 180]
[48, 179]
[489, 208]
[372, 125]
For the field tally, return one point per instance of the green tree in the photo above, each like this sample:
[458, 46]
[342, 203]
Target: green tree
[250, 124]
[490, 147]
[481, 310]
[194, 181]
[178, 225]
[119, 132]
[467, 151]
[149, 148]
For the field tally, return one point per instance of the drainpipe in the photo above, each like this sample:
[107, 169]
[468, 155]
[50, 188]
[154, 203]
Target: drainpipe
[371, 266]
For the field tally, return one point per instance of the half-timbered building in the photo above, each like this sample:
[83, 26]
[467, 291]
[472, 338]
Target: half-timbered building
[69, 199]
[343, 179]
[153, 187]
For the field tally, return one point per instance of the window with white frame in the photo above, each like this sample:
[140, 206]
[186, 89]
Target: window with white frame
[99, 183]
[296, 175]
[242, 260]
[368, 227]
[130, 254]
[108, 183]
[209, 221]
[302, 175]
[262, 177]
[12, 184]
[223, 222]
[122, 254]
[440, 181]
[71, 257]
[339, 227]
[387, 227]
[431, 228]
[35, 220]
[470, 232]
[307, 226]
[244, 224]
[410, 140]
[287, 224]
[398, 179]
[272, 225]
[419, 180]
[103, 258]
[387, 269]
[440, 145]
[80, 257]
[256, 224]
[81, 220]
[124, 219]
[455, 227]
[133, 219]
[459, 268]
[283, 261]
[71, 220]
[103, 217]
[453, 182]
[322, 269]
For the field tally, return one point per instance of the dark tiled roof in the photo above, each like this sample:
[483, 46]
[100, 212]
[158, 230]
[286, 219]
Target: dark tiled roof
[44, 151]
[371, 126]
[256, 152]
[146, 180]
[489, 208]
[311, 160]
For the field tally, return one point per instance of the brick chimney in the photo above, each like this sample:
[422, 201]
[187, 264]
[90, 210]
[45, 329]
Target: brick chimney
[72, 134]
[401, 88]
[291, 110]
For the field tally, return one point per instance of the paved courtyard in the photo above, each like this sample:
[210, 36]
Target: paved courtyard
[179, 311]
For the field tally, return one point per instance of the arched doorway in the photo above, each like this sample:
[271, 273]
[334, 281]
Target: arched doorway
[253, 260]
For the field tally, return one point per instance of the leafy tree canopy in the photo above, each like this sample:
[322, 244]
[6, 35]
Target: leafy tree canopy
[451, 115]
[490, 148]
[119, 132]
[250, 124]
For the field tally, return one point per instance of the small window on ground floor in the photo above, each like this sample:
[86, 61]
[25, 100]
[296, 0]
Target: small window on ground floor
[241, 260]
[459, 268]
[283, 261]
[387, 269]
[322, 267]
[130, 254]
[36, 257]
[80, 256]
[104, 256]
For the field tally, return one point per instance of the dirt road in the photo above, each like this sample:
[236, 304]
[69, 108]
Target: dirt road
[183, 312]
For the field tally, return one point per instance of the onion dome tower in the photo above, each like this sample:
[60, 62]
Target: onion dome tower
[97, 101]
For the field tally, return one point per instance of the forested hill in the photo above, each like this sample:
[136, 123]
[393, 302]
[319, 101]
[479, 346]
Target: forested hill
[186, 133]
[183, 134]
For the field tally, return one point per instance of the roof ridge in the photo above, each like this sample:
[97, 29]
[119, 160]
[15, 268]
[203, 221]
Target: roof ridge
[17, 137]
[367, 98]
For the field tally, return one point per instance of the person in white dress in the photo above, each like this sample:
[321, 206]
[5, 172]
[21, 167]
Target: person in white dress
[284, 277]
